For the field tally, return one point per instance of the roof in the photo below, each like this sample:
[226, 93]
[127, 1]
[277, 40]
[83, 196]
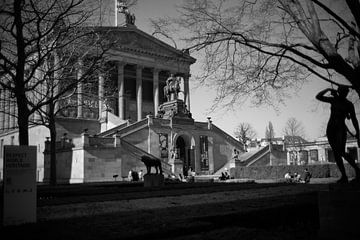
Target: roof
[131, 39]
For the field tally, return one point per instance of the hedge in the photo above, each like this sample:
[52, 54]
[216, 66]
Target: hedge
[278, 172]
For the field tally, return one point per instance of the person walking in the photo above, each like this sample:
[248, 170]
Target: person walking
[336, 131]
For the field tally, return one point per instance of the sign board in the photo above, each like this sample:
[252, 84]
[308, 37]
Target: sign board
[19, 205]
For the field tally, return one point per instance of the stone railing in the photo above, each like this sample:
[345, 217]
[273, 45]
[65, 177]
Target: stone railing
[84, 141]
[124, 128]
[101, 141]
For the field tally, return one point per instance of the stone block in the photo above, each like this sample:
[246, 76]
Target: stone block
[153, 180]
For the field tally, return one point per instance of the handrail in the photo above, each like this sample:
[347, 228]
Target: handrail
[256, 156]
[121, 128]
[227, 136]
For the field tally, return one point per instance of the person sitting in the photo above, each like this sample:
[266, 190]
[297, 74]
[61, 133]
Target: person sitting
[135, 176]
[297, 177]
[222, 177]
[307, 176]
[227, 176]
[288, 177]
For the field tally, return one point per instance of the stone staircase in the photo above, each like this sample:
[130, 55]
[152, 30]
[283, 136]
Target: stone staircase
[249, 158]
[138, 152]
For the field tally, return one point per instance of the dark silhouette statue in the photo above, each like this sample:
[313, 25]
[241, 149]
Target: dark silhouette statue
[151, 162]
[336, 131]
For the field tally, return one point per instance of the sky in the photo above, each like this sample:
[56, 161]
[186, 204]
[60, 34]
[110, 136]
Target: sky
[302, 106]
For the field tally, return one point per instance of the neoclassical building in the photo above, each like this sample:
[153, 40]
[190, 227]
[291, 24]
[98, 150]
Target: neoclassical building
[129, 112]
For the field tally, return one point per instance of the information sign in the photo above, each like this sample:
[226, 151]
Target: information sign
[19, 205]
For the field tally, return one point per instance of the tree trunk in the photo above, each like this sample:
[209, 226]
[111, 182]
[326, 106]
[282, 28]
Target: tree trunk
[20, 94]
[52, 128]
[23, 123]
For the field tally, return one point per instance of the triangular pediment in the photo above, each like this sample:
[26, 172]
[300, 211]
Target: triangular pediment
[131, 39]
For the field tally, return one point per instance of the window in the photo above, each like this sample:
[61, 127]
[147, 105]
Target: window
[353, 153]
[314, 155]
[303, 155]
[204, 161]
[292, 157]
[330, 155]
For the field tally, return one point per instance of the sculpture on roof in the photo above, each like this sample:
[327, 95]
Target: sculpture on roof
[123, 8]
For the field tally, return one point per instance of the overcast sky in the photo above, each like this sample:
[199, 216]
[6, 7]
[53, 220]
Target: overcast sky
[303, 106]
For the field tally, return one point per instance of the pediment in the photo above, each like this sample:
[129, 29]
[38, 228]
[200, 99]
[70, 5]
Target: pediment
[131, 39]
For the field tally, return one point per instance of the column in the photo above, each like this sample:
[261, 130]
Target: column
[156, 90]
[139, 91]
[101, 95]
[12, 113]
[8, 112]
[187, 91]
[2, 114]
[79, 92]
[16, 114]
[121, 88]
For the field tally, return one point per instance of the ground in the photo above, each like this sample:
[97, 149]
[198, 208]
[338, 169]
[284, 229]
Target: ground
[262, 210]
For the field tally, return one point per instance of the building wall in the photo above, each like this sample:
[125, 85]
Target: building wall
[93, 164]
[102, 164]
[38, 134]
[69, 166]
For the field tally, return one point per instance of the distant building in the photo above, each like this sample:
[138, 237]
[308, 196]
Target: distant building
[293, 150]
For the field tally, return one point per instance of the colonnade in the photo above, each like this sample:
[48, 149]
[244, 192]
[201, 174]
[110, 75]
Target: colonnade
[8, 107]
[139, 90]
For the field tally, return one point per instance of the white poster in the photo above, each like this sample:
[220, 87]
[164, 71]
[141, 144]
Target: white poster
[19, 185]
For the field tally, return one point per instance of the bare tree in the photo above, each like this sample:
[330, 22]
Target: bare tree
[67, 81]
[31, 34]
[269, 132]
[45, 44]
[294, 138]
[293, 128]
[245, 132]
[259, 50]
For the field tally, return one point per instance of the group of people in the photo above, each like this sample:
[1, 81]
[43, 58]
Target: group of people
[296, 177]
[224, 176]
[135, 176]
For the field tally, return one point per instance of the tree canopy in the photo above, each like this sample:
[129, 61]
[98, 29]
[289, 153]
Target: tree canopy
[244, 132]
[264, 50]
[40, 42]
[293, 128]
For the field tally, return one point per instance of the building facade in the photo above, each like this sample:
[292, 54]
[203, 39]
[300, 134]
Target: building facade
[126, 114]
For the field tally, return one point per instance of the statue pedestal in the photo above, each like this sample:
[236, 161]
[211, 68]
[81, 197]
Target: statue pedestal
[177, 111]
[153, 180]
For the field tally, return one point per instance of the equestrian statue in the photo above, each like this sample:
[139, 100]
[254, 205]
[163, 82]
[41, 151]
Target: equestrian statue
[172, 88]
